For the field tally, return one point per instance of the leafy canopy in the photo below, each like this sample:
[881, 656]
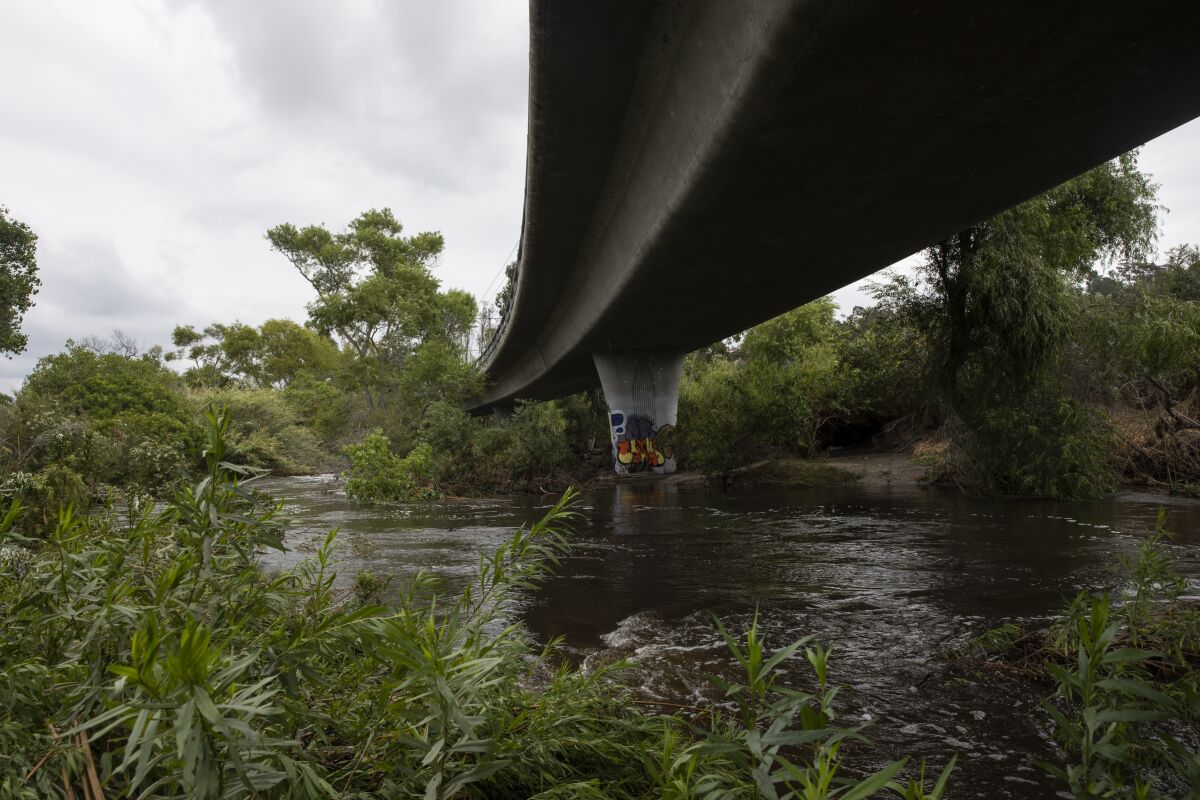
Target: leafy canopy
[375, 288]
[272, 355]
[376, 292]
[102, 386]
[18, 280]
[995, 301]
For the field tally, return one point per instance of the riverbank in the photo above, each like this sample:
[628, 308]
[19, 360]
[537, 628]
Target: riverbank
[772, 473]
[867, 468]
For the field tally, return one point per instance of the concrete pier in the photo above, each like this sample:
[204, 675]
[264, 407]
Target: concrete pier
[641, 390]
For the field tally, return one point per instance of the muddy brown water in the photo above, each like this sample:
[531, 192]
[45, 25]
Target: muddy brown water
[891, 577]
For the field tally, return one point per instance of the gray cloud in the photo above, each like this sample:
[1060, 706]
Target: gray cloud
[93, 293]
[434, 91]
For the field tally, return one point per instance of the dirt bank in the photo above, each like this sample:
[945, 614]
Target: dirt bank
[878, 468]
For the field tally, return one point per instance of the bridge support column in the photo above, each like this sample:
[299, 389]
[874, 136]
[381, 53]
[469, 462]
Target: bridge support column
[642, 393]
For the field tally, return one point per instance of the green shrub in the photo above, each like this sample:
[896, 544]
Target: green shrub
[376, 473]
[586, 418]
[104, 386]
[46, 436]
[266, 432]
[110, 419]
[1044, 446]
[43, 493]
[539, 440]
[153, 464]
[473, 455]
[785, 404]
[715, 419]
[448, 429]
[487, 463]
[317, 404]
[884, 366]
[778, 398]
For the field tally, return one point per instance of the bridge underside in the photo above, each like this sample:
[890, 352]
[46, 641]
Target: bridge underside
[697, 168]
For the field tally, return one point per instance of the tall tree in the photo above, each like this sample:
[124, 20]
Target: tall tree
[996, 300]
[18, 280]
[375, 291]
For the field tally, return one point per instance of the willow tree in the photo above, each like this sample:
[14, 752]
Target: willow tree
[997, 300]
[376, 293]
[997, 303]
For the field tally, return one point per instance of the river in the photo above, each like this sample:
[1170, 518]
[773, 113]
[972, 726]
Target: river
[891, 577]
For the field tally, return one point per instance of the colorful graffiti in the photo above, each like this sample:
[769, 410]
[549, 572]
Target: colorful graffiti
[637, 445]
[640, 454]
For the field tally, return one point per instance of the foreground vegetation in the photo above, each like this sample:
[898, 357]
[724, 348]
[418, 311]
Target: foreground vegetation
[147, 654]
[1125, 701]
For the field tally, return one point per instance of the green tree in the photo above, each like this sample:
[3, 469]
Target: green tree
[883, 358]
[287, 349]
[792, 336]
[995, 301]
[1178, 277]
[271, 355]
[458, 311]
[1181, 275]
[998, 304]
[212, 364]
[18, 280]
[103, 386]
[376, 292]
[504, 297]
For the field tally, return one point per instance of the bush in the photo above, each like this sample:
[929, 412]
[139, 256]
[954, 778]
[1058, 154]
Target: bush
[41, 494]
[266, 432]
[473, 455]
[39, 436]
[376, 473]
[105, 386]
[486, 465]
[448, 429]
[779, 397]
[153, 464]
[539, 440]
[715, 419]
[317, 404]
[586, 417]
[885, 369]
[107, 418]
[1046, 446]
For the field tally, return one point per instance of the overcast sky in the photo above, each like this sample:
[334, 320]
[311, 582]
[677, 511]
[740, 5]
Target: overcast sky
[150, 145]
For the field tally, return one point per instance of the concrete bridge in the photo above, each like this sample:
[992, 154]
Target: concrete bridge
[696, 167]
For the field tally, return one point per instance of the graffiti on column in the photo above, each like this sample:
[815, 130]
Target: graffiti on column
[637, 445]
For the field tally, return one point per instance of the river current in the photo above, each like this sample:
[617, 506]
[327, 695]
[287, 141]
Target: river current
[890, 577]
